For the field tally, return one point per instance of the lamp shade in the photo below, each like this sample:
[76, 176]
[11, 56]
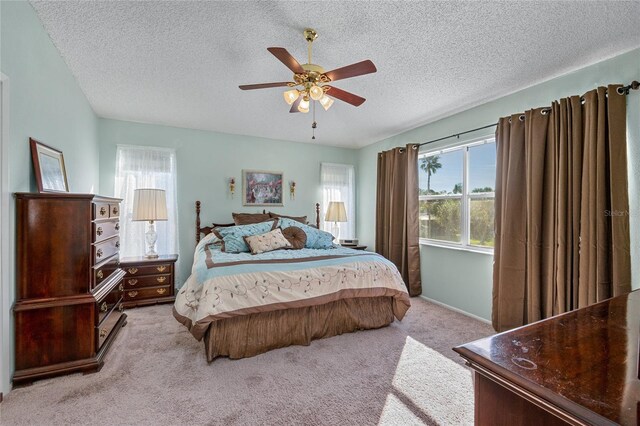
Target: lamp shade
[149, 204]
[336, 212]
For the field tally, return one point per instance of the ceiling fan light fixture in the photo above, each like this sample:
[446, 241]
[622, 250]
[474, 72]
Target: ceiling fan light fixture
[326, 102]
[316, 92]
[290, 96]
[303, 106]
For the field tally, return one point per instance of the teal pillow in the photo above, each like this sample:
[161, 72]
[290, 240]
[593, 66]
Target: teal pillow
[232, 236]
[316, 239]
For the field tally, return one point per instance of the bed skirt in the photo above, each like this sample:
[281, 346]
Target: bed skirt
[251, 335]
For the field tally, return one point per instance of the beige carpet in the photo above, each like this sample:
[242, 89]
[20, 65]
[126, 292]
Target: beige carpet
[156, 374]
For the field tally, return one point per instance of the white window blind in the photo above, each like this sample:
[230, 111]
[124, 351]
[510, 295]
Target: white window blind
[146, 167]
[338, 184]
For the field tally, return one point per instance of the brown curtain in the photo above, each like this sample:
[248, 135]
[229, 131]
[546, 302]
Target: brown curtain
[562, 208]
[397, 225]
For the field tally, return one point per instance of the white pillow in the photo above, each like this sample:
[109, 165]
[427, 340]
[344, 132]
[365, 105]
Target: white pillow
[272, 240]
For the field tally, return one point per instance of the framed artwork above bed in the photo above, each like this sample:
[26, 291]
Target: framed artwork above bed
[262, 188]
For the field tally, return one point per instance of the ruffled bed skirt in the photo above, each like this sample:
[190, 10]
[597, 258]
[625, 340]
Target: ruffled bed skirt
[251, 335]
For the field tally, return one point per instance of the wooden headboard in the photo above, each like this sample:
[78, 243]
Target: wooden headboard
[207, 229]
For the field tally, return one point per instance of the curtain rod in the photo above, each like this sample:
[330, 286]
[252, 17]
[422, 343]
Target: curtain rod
[634, 85]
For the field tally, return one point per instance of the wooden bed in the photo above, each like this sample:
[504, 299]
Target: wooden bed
[255, 333]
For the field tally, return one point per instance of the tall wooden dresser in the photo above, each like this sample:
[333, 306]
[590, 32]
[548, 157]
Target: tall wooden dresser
[69, 285]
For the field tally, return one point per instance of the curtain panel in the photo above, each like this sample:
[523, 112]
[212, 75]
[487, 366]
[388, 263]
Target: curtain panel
[562, 208]
[397, 226]
[338, 184]
[146, 167]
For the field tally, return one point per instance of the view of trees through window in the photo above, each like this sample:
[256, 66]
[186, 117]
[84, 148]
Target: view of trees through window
[457, 195]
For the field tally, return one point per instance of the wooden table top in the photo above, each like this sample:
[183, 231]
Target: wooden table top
[585, 362]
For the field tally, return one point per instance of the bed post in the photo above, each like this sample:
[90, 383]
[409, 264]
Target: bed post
[197, 221]
[318, 215]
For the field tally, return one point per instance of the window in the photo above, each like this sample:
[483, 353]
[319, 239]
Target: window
[146, 167]
[457, 196]
[338, 184]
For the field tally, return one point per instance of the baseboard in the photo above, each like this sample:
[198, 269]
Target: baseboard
[444, 305]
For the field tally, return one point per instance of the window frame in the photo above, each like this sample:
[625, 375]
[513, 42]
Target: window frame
[465, 198]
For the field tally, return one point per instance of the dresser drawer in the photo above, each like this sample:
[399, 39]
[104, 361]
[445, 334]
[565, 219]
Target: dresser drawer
[148, 292]
[100, 210]
[109, 303]
[104, 271]
[104, 230]
[134, 271]
[106, 327]
[105, 249]
[114, 210]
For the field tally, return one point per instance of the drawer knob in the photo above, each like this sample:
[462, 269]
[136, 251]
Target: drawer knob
[114, 211]
[117, 244]
[104, 307]
[103, 211]
[121, 307]
[117, 226]
[121, 287]
[99, 231]
[132, 271]
[161, 279]
[161, 268]
[100, 274]
[132, 293]
[103, 333]
[99, 253]
[132, 281]
[161, 290]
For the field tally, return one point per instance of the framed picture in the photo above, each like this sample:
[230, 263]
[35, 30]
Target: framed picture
[261, 188]
[48, 164]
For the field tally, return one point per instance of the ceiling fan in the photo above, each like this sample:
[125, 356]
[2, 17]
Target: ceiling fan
[310, 81]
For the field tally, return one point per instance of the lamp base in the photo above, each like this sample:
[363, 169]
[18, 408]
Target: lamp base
[335, 230]
[151, 237]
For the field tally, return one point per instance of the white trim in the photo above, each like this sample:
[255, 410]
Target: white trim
[6, 287]
[455, 246]
[460, 311]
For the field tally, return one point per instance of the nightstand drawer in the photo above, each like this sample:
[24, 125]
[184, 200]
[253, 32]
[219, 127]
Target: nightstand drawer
[146, 293]
[147, 281]
[161, 268]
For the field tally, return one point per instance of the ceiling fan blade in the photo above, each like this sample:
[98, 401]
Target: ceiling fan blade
[294, 105]
[353, 70]
[263, 85]
[286, 58]
[347, 97]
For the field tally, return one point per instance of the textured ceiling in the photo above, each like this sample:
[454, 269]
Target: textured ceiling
[180, 63]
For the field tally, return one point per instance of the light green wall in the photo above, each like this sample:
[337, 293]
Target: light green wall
[463, 279]
[205, 162]
[45, 103]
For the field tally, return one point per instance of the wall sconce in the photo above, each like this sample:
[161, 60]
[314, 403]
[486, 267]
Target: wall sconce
[292, 190]
[232, 186]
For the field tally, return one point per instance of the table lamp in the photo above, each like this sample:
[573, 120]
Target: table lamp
[336, 213]
[150, 205]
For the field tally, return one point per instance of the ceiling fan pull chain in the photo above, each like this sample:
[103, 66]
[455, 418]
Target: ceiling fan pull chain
[314, 124]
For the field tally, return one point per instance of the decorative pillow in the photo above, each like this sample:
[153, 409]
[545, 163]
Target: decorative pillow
[249, 218]
[272, 240]
[232, 241]
[316, 239]
[301, 219]
[295, 236]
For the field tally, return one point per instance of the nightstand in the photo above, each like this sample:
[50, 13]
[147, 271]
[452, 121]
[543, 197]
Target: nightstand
[355, 247]
[148, 281]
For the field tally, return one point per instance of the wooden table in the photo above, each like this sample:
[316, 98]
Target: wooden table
[577, 368]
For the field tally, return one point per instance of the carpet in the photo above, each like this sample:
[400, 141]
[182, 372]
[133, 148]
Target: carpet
[156, 374]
